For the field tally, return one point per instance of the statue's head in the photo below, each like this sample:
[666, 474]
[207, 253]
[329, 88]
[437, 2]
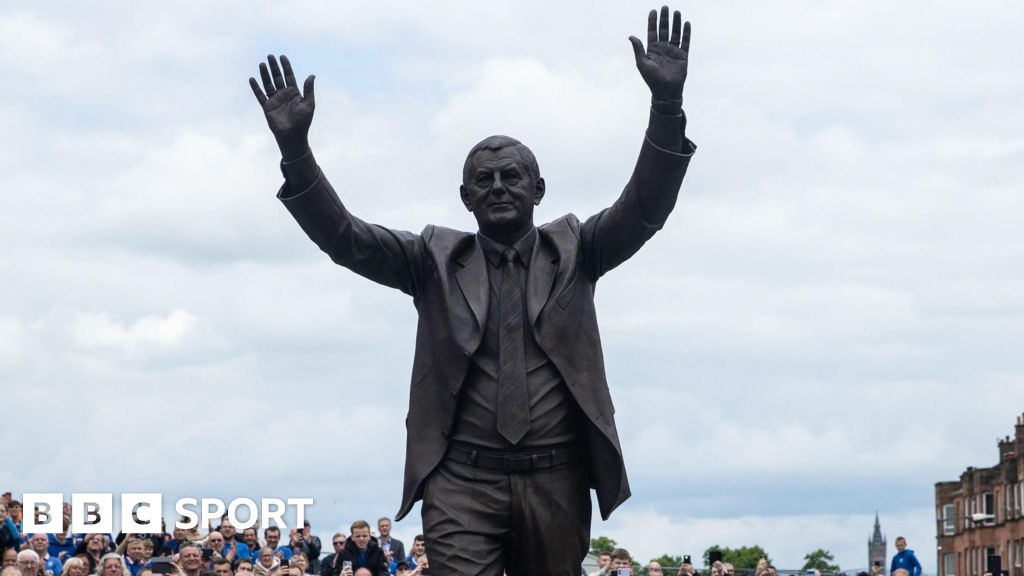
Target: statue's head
[501, 184]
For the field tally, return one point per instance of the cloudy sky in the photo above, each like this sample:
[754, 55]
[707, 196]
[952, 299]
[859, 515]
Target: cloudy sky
[838, 329]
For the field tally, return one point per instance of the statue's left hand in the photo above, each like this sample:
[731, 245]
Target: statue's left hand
[663, 66]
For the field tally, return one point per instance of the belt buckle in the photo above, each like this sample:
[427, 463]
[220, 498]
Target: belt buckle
[518, 462]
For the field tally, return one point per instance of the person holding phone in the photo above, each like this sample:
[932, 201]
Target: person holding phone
[362, 551]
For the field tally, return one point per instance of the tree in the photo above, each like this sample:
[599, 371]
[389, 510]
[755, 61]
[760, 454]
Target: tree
[820, 560]
[667, 561]
[602, 544]
[742, 557]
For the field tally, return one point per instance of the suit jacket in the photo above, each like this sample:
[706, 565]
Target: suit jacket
[445, 272]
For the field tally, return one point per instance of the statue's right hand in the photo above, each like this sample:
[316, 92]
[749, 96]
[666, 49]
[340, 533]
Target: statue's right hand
[289, 113]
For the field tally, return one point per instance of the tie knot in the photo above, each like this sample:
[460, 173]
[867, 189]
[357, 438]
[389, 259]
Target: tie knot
[509, 255]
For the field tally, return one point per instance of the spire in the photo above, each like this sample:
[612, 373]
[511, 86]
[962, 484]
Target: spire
[876, 536]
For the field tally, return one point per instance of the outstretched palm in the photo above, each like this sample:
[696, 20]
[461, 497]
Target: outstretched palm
[663, 66]
[289, 113]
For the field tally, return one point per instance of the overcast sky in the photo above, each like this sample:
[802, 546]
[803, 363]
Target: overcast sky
[829, 323]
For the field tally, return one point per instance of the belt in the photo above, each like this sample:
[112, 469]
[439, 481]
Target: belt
[515, 461]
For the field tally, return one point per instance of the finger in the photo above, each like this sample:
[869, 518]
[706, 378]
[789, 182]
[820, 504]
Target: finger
[663, 25]
[677, 28]
[307, 90]
[686, 38]
[652, 27]
[275, 71]
[268, 85]
[289, 76]
[638, 49]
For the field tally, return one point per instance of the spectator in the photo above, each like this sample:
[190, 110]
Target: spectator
[15, 510]
[252, 541]
[233, 540]
[268, 562]
[222, 567]
[362, 550]
[10, 535]
[10, 571]
[393, 548]
[190, 558]
[134, 551]
[299, 561]
[40, 544]
[418, 555]
[904, 559]
[332, 564]
[147, 551]
[604, 564]
[74, 567]
[272, 534]
[91, 550]
[112, 564]
[304, 541]
[62, 546]
[729, 570]
[687, 569]
[620, 559]
[244, 568]
[28, 563]
[653, 568]
[9, 558]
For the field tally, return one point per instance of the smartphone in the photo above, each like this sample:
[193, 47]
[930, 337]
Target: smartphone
[624, 572]
[284, 562]
[346, 566]
[161, 565]
[714, 556]
[686, 559]
[810, 573]
[207, 553]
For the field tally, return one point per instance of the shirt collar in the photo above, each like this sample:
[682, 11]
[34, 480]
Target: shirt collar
[493, 250]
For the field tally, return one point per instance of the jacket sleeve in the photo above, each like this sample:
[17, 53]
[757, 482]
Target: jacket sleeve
[393, 258]
[614, 234]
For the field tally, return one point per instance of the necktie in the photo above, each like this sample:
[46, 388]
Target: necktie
[513, 400]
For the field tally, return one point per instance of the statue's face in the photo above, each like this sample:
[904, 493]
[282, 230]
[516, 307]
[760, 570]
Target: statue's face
[501, 193]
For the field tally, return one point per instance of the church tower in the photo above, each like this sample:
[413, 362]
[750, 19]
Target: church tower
[876, 548]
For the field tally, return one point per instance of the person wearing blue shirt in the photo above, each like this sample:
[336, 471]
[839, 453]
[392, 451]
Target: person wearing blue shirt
[905, 559]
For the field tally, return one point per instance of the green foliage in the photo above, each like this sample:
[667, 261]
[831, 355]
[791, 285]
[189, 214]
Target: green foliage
[742, 557]
[602, 544]
[820, 560]
[667, 561]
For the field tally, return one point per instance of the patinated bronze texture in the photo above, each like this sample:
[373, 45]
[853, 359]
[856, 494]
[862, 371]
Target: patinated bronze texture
[513, 420]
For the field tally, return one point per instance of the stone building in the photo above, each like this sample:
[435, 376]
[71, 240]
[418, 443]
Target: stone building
[980, 514]
[877, 551]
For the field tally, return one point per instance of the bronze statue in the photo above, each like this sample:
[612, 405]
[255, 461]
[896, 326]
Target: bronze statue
[513, 421]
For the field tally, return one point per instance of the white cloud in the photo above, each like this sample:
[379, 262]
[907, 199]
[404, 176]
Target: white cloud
[843, 289]
[94, 329]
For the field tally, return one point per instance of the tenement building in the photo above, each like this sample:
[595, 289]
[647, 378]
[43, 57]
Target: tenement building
[979, 516]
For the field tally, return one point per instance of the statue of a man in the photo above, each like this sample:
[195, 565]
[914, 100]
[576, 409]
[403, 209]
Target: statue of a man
[512, 422]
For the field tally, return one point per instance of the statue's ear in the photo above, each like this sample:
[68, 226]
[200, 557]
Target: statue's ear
[464, 194]
[538, 191]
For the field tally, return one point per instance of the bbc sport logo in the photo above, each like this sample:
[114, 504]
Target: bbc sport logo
[141, 512]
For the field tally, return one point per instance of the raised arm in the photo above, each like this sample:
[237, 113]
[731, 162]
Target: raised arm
[393, 258]
[613, 235]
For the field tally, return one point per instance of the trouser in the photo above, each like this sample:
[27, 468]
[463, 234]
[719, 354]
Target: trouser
[480, 522]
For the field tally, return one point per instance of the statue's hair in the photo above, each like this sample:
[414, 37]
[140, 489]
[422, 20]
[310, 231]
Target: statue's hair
[499, 142]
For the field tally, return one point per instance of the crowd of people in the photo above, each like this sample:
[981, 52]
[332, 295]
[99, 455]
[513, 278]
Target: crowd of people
[226, 551]
[221, 551]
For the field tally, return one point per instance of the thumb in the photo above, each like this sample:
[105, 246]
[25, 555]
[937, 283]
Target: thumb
[307, 90]
[638, 49]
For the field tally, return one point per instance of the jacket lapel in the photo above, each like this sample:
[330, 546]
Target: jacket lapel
[539, 280]
[472, 279]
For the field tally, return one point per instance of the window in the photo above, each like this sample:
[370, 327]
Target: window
[989, 507]
[948, 520]
[949, 565]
